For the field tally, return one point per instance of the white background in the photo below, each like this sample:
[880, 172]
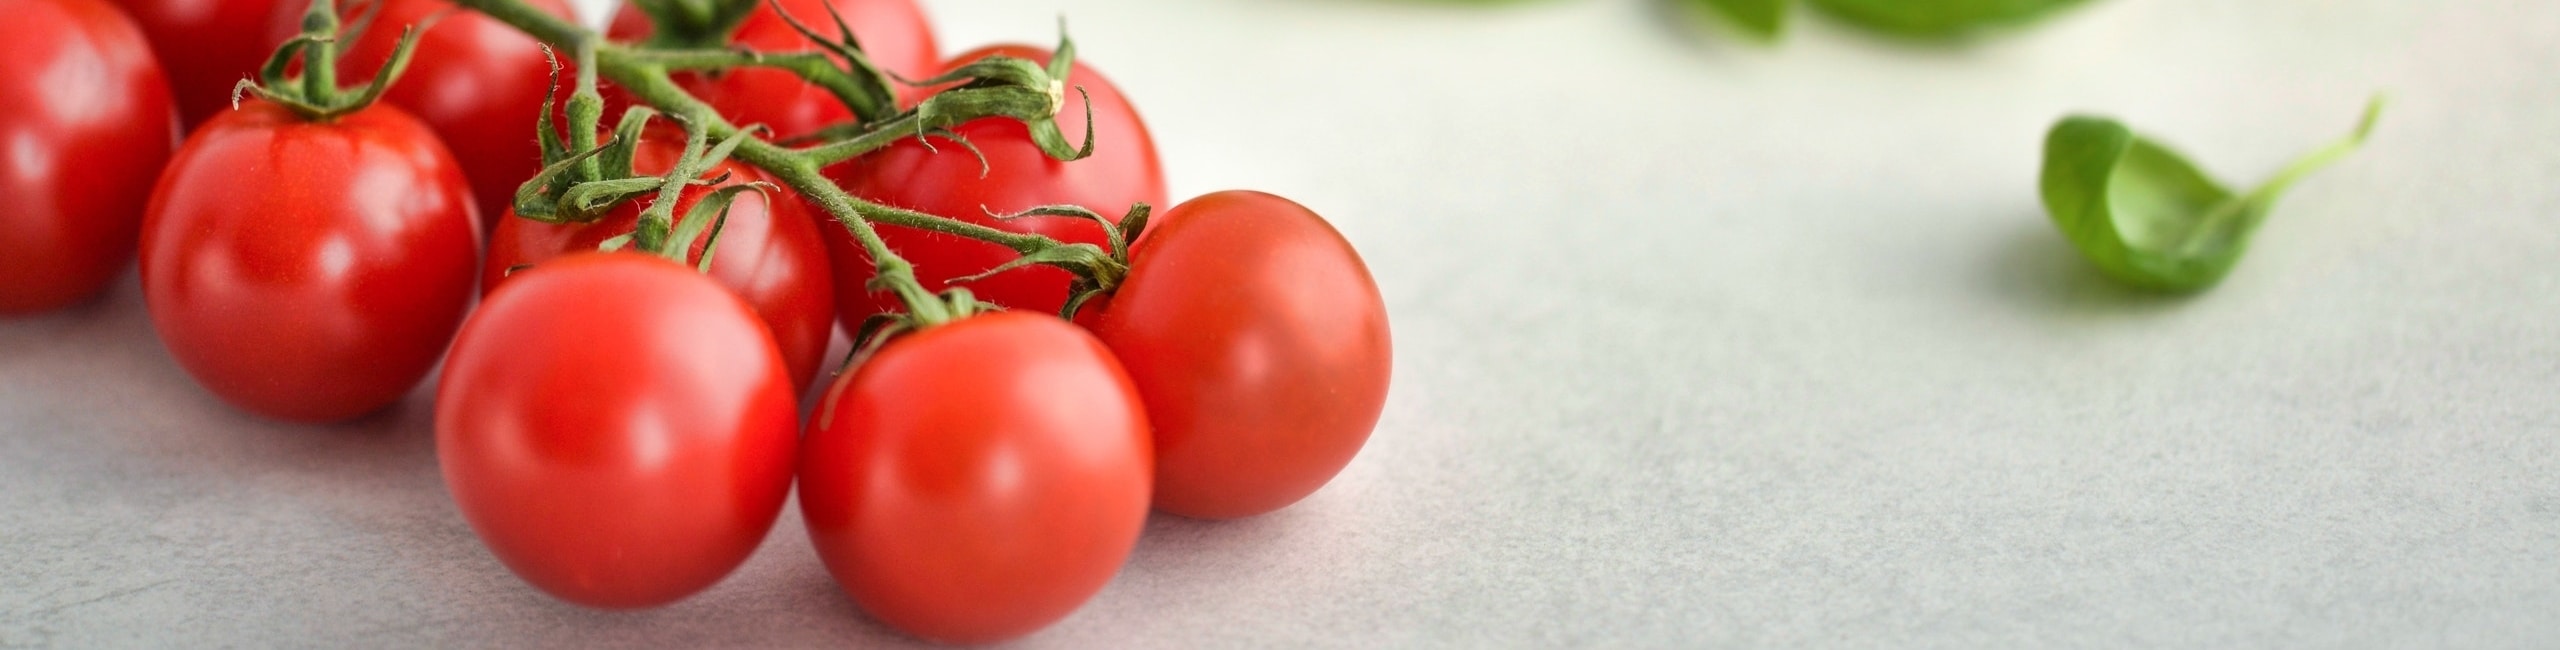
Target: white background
[1698, 344]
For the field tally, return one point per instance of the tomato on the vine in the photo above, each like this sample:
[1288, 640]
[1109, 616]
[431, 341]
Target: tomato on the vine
[948, 180]
[88, 126]
[208, 45]
[309, 270]
[478, 82]
[770, 251]
[978, 480]
[1260, 343]
[894, 34]
[617, 428]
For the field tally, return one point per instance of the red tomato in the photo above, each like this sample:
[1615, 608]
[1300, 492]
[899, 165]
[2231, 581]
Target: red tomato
[478, 82]
[1260, 344]
[770, 252]
[617, 429]
[209, 45]
[948, 181]
[977, 481]
[893, 33]
[309, 271]
[87, 128]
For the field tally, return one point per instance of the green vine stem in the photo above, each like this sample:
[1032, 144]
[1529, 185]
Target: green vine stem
[314, 93]
[1000, 87]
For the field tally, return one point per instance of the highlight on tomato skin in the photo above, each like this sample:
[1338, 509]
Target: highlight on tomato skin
[950, 181]
[979, 480]
[1260, 344]
[618, 429]
[83, 150]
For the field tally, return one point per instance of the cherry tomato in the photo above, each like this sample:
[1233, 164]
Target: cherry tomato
[478, 82]
[1260, 344]
[893, 33]
[977, 481]
[88, 124]
[617, 429]
[947, 180]
[309, 271]
[770, 252]
[209, 45]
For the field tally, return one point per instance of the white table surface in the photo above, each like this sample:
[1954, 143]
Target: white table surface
[1698, 344]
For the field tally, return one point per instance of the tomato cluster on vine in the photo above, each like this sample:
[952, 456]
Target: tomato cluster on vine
[1042, 358]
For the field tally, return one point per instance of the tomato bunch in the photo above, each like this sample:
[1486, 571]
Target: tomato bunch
[1043, 358]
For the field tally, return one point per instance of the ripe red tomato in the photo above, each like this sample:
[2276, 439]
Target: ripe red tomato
[87, 127]
[209, 45]
[948, 181]
[977, 481]
[893, 33]
[309, 271]
[617, 429]
[770, 252]
[478, 82]
[1260, 344]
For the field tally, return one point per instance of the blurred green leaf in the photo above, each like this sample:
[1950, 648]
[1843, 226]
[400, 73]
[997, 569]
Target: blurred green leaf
[2146, 216]
[1938, 19]
[1765, 19]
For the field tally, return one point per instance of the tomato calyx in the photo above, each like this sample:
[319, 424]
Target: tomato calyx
[694, 24]
[314, 93]
[1098, 269]
[582, 179]
[992, 87]
[658, 232]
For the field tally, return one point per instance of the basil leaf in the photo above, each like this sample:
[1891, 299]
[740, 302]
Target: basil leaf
[1937, 19]
[2148, 217]
[1763, 19]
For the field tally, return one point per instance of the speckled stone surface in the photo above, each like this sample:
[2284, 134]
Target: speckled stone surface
[1698, 345]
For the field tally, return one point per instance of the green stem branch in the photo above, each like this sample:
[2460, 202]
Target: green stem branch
[645, 75]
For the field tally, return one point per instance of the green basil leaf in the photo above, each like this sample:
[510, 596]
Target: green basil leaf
[2148, 217]
[1937, 19]
[1763, 19]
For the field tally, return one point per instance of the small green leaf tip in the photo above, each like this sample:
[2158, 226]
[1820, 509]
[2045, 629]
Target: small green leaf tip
[1762, 19]
[2148, 217]
[1938, 19]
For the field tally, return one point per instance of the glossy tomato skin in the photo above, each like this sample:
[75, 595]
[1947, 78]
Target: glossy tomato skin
[770, 252]
[894, 34]
[1260, 343]
[88, 125]
[207, 46]
[309, 271]
[947, 180]
[617, 428]
[977, 481]
[476, 81]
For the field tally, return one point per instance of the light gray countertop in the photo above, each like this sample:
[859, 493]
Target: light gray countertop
[1698, 344]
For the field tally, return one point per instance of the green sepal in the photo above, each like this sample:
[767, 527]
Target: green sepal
[618, 161]
[712, 214]
[688, 24]
[314, 95]
[879, 101]
[1076, 256]
[541, 198]
[588, 201]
